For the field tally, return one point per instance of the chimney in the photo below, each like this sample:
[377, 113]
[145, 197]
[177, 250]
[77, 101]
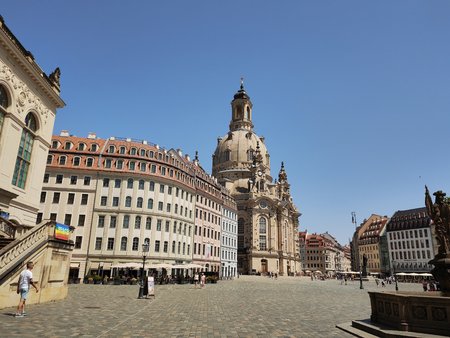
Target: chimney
[64, 133]
[92, 135]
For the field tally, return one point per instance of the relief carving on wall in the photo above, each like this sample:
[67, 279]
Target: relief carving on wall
[26, 100]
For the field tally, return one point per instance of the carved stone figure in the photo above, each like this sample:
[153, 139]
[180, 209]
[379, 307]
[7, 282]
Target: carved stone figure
[55, 76]
[440, 214]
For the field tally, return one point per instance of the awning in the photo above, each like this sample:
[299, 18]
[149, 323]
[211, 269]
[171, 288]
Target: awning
[94, 265]
[126, 265]
[107, 266]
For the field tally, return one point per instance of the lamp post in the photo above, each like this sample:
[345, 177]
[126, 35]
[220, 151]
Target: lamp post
[145, 248]
[395, 277]
[360, 278]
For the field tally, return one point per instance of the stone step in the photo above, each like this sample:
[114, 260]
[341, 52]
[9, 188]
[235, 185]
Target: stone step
[5, 241]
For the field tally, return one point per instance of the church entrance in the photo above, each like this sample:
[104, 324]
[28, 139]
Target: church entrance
[263, 265]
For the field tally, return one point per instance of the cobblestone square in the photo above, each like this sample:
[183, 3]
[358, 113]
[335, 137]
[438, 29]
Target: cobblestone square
[251, 306]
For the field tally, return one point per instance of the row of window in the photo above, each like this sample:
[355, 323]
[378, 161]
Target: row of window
[229, 227]
[139, 204]
[229, 255]
[421, 254]
[207, 216]
[177, 227]
[67, 219]
[206, 250]
[151, 187]
[183, 249]
[414, 244]
[122, 150]
[121, 164]
[209, 203]
[70, 198]
[228, 241]
[414, 265]
[230, 215]
[418, 233]
[73, 179]
[208, 233]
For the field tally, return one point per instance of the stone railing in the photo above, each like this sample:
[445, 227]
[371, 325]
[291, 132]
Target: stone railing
[7, 227]
[24, 245]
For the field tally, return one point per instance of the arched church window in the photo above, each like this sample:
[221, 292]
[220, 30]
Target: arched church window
[262, 225]
[250, 154]
[227, 155]
[247, 113]
[31, 122]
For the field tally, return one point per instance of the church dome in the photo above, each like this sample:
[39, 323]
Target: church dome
[235, 151]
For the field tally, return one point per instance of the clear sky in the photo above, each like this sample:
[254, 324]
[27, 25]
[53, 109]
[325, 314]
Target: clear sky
[354, 96]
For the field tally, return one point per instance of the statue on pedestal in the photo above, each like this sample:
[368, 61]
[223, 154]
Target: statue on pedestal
[439, 212]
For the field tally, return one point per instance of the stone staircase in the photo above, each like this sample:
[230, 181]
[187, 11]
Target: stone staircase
[4, 241]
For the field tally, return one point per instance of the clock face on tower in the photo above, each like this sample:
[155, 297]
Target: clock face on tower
[263, 204]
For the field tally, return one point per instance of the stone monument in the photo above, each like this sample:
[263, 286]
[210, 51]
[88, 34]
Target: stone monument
[439, 212]
[424, 312]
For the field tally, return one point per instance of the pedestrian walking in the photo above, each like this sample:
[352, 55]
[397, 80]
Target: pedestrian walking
[424, 285]
[23, 288]
[202, 280]
[196, 279]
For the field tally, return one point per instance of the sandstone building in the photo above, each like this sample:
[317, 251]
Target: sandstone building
[121, 193]
[267, 217]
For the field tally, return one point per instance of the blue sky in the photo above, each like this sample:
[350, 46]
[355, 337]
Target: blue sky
[352, 95]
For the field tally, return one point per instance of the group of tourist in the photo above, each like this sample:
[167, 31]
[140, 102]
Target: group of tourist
[431, 285]
[202, 280]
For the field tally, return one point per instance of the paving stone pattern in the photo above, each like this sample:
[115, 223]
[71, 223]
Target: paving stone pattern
[251, 306]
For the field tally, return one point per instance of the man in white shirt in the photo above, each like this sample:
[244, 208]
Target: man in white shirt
[23, 287]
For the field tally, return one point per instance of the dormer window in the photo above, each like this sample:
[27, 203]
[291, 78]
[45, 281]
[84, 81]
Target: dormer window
[94, 147]
[142, 152]
[111, 149]
[133, 151]
[122, 150]
[55, 144]
[81, 146]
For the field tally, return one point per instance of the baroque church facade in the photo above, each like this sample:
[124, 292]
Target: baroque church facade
[268, 220]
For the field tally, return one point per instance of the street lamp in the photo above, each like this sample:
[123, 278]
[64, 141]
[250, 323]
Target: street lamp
[360, 278]
[145, 248]
[395, 277]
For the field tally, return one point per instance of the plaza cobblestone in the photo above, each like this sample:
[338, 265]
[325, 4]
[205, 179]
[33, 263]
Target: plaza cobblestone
[251, 306]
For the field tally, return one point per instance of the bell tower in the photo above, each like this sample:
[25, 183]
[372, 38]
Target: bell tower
[241, 110]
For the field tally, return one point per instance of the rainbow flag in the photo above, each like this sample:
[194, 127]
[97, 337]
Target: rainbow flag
[62, 231]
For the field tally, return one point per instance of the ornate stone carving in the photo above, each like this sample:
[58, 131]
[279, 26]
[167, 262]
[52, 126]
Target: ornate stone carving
[26, 99]
[439, 313]
[439, 212]
[419, 312]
